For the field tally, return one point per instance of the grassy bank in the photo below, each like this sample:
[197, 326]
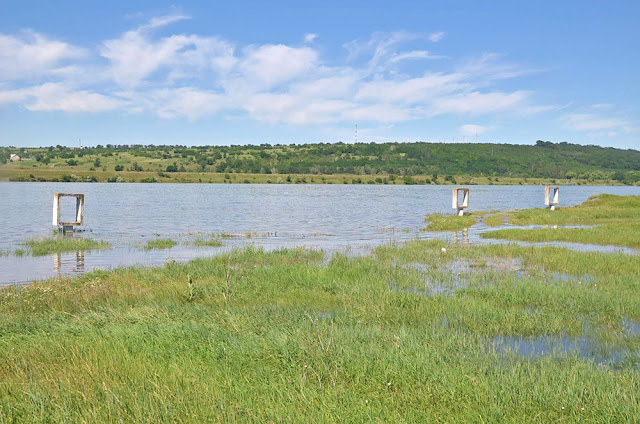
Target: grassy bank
[614, 220]
[20, 172]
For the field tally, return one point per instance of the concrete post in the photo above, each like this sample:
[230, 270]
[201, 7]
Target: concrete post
[79, 216]
[552, 196]
[455, 202]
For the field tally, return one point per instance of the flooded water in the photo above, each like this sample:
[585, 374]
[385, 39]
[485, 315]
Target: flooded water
[328, 217]
[586, 346]
[464, 273]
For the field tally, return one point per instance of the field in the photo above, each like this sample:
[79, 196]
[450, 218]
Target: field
[420, 332]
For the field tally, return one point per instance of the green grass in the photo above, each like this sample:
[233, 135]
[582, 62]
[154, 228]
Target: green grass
[494, 220]
[207, 242]
[439, 222]
[45, 246]
[599, 209]
[256, 336]
[627, 235]
[615, 221]
[294, 336]
[160, 244]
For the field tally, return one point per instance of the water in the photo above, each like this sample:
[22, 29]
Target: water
[329, 217]
[462, 273]
[586, 346]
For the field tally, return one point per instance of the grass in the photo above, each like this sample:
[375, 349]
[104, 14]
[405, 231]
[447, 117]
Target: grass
[627, 235]
[256, 336]
[615, 221]
[213, 241]
[160, 244]
[294, 336]
[599, 209]
[24, 171]
[45, 246]
[494, 220]
[439, 222]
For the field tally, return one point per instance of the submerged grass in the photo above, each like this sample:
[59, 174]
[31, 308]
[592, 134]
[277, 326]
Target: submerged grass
[439, 222]
[210, 242]
[45, 246]
[160, 244]
[287, 336]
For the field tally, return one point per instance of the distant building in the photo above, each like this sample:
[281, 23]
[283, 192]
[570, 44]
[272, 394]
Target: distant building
[14, 158]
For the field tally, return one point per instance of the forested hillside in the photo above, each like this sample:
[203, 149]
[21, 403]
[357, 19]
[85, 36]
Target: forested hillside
[542, 160]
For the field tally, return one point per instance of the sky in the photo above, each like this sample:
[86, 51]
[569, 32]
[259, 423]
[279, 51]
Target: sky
[219, 73]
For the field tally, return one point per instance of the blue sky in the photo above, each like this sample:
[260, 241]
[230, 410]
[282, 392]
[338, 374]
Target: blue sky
[194, 73]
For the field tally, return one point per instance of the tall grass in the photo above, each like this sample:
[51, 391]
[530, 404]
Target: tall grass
[45, 246]
[301, 339]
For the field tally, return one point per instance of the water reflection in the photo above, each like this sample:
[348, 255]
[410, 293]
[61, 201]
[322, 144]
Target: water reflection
[460, 237]
[63, 263]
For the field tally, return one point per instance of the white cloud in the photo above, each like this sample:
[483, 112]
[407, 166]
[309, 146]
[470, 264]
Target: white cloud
[470, 130]
[270, 64]
[135, 56]
[308, 38]
[415, 54]
[477, 103]
[591, 122]
[60, 97]
[436, 36]
[33, 55]
[380, 47]
[182, 102]
[160, 21]
[194, 76]
[413, 90]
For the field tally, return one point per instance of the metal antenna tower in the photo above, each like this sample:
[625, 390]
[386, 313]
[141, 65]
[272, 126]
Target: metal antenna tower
[356, 136]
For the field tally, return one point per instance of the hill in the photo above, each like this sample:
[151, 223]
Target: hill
[546, 160]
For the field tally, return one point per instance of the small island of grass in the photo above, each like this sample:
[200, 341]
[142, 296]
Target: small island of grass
[59, 244]
[439, 222]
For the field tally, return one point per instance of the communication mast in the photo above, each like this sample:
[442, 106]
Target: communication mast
[356, 135]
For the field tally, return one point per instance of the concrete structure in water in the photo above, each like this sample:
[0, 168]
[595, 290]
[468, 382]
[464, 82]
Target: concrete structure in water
[552, 196]
[455, 203]
[68, 226]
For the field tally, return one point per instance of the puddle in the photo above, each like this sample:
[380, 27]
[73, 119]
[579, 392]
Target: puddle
[462, 273]
[630, 327]
[586, 346]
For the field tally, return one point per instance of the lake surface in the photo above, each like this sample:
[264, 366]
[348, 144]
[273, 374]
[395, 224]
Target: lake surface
[351, 218]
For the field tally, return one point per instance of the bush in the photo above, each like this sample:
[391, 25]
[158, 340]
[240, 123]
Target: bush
[408, 180]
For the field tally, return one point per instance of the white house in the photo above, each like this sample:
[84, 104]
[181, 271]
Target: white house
[14, 158]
